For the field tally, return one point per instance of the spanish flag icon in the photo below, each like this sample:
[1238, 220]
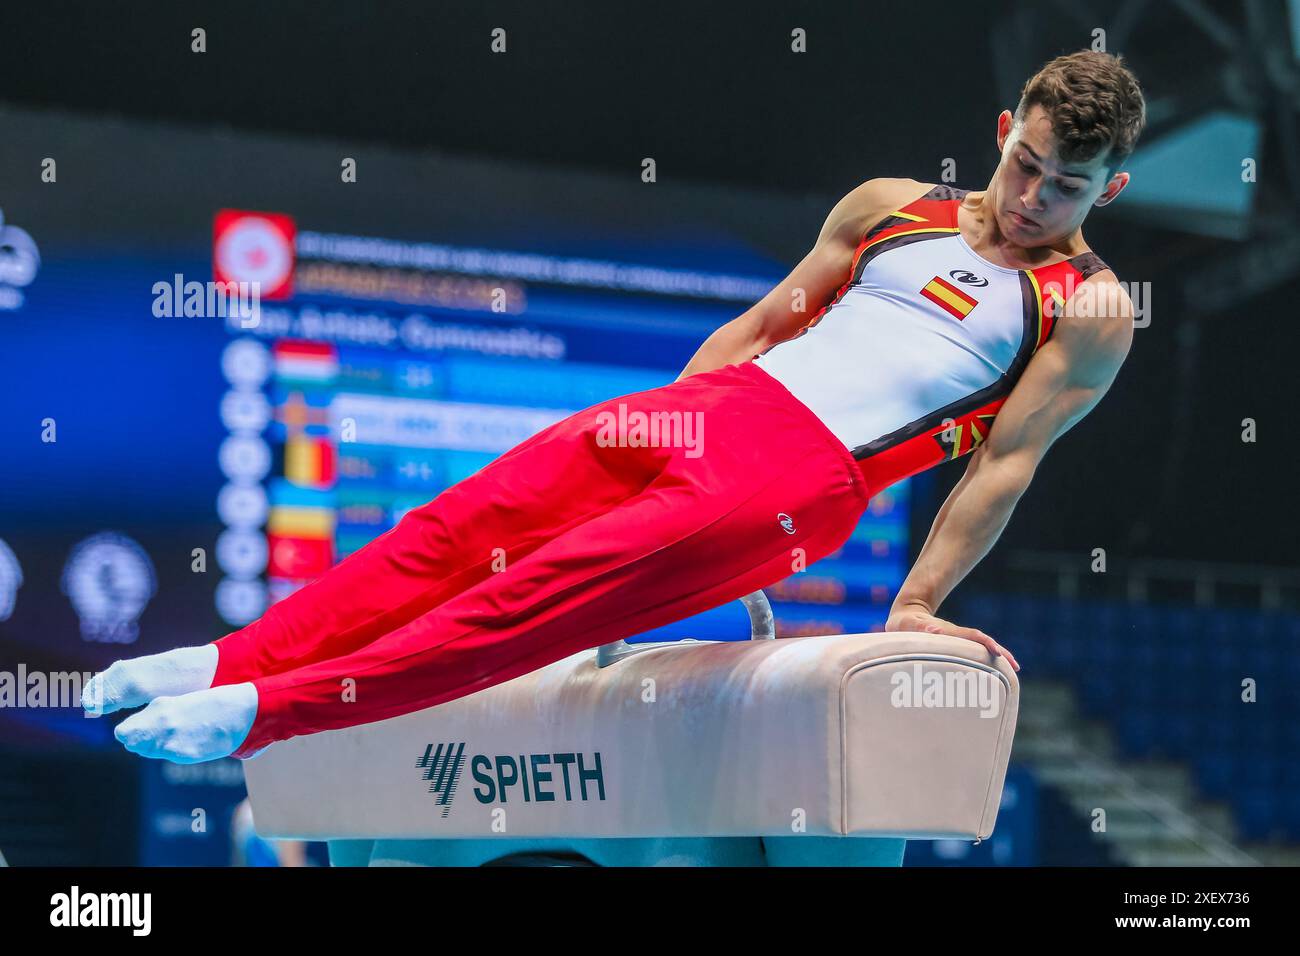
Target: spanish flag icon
[949, 298]
[309, 462]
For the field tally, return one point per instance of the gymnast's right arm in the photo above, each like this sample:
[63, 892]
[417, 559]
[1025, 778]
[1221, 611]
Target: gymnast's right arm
[784, 311]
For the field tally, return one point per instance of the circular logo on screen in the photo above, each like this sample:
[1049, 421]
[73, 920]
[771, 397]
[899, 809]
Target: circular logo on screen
[242, 504]
[240, 602]
[109, 579]
[251, 249]
[246, 363]
[19, 258]
[11, 579]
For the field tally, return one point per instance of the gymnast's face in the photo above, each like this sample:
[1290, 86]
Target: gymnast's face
[1038, 197]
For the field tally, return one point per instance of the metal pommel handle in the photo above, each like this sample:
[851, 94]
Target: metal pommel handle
[762, 627]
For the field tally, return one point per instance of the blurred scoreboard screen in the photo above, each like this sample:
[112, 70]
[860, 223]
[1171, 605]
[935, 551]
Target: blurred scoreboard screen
[174, 462]
[345, 414]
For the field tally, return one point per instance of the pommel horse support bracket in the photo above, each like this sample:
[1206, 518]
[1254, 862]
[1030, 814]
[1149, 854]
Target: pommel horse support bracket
[806, 751]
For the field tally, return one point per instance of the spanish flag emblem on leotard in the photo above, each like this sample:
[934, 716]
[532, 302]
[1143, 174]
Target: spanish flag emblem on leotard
[948, 297]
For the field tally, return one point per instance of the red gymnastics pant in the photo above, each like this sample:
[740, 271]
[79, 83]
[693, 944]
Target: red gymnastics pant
[570, 540]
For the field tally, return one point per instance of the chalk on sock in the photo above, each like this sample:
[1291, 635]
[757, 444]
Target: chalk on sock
[135, 682]
[205, 725]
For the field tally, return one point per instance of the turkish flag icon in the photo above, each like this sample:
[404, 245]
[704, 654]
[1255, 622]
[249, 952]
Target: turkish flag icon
[255, 247]
[295, 557]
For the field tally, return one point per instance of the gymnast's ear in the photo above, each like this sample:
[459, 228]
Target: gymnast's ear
[1113, 188]
[1006, 122]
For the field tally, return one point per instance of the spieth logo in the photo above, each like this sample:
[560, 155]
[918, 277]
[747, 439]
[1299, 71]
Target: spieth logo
[20, 260]
[539, 778]
[255, 247]
[442, 768]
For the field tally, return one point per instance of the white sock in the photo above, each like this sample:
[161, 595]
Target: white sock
[204, 725]
[137, 681]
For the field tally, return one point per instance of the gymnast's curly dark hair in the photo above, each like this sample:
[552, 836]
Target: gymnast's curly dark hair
[1094, 102]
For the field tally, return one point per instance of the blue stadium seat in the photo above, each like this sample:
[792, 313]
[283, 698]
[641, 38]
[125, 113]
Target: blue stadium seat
[986, 608]
[1289, 738]
[1025, 618]
[1258, 813]
[1169, 678]
[1137, 734]
[1258, 769]
[1181, 733]
[1137, 687]
[1220, 737]
[1290, 812]
[1215, 774]
[1100, 695]
[1178, 624]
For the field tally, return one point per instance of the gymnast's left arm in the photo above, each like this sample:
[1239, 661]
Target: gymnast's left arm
[1064, 380]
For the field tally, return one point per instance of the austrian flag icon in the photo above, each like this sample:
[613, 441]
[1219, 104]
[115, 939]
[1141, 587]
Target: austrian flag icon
[255, 247]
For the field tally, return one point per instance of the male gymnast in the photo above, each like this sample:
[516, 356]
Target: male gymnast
[927, 322]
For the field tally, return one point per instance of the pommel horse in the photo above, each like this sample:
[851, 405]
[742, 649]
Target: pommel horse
[810, 751]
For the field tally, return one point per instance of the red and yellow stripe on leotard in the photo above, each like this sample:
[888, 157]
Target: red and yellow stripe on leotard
[940, 218]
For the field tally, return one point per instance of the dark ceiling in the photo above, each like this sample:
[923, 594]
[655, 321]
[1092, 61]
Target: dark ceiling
[711, 92]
